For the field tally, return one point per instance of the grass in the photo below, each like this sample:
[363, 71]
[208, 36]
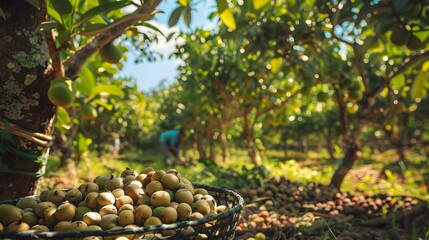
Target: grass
[368, 176]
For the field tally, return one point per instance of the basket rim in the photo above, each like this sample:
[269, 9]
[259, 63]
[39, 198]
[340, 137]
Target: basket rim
[140, 230]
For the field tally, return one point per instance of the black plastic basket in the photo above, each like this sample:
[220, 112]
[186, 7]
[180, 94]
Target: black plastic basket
[219, 226]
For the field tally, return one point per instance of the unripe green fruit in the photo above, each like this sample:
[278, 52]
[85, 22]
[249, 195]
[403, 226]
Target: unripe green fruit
[105, 198]
[322, 96]
[153, 187]
[18, 226]
[113, 183]
[184, 211]
[30, 218]
[39, 227]
[134, 191]
[108, 209]
[160, 198]
[184, 196]
[77, 226]
[91, 218]
[27, 202]
[414, 43]
[88, 112]
[355, 95]
[62, 226]
[157, 211]
[170, 181]
[126, 217]
[41, 207]
[65, 212]
[109, 221]
[128, 172]
[61, 92]
[110, 53]
[151, 221]
[202, 206]
[399, 36]
[141, 213]
[9, 214]
[126, 206]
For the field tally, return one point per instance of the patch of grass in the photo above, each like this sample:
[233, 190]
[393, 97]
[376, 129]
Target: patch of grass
[365, 177]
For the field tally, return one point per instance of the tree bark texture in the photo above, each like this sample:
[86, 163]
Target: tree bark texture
[24, 78]
[224, 141]
[250, 141]
[352, 153]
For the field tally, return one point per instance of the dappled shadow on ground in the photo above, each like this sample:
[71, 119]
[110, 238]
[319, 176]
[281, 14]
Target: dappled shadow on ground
[285, 210]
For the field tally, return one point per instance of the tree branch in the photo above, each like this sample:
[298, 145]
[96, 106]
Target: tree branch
[401, 68]
[73, 65]
[58, 68]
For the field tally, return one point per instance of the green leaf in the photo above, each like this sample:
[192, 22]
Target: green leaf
[425, 66]
[276, 63]
[87, 81]
[82, 143]
[419, 87]
[63, 36]
[153, 27]
[258, 4]
[63, 120]
[94, 27]
[62, 6]
[54, 14]
[225, 14]
[128, 18]
[398, 81]
[34, 3]
[175, 15]
[101, 9]
[188, 16]
[46, 26]
[104, 104]
[104, 88]
[170, 36]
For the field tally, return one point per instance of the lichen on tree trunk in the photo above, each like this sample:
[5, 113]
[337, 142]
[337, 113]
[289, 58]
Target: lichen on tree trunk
[24, 81]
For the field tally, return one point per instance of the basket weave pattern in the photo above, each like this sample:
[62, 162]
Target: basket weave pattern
[219, 226]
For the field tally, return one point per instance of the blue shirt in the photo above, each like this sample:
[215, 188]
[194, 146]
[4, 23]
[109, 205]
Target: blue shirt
[169, 136]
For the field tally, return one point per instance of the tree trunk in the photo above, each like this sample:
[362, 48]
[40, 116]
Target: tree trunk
[224, 142]
[26, 112]
[346, 164]
[200, 146]
[352, 153]
[329, 145]
[284, 143]
[210, 143]
[250, 142]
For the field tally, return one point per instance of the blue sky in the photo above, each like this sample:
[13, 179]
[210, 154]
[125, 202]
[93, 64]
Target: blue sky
[148, 75]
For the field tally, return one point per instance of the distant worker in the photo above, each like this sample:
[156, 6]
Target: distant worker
[171, 141]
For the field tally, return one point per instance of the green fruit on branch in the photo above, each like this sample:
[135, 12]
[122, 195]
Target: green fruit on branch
[88, 112]
[62, 91]
[355, 95]
[399, 36]
[414, 43]
[322, 96]
[110, 53]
